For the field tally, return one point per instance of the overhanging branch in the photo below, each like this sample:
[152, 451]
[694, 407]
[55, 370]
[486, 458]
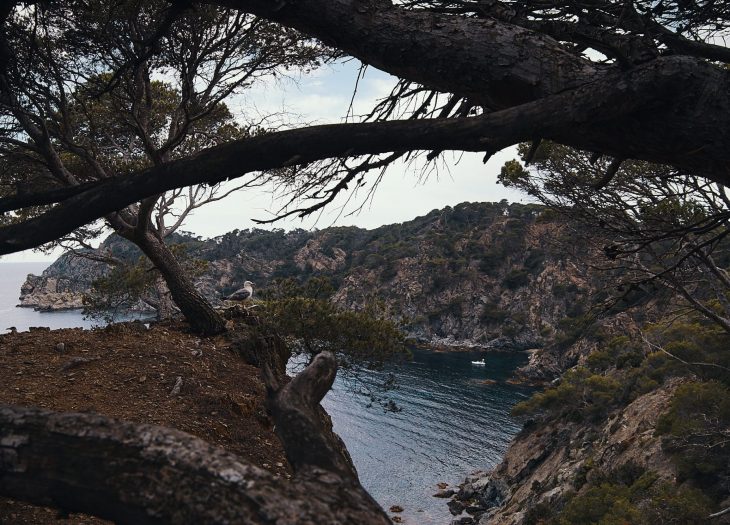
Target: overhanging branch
[617, 100]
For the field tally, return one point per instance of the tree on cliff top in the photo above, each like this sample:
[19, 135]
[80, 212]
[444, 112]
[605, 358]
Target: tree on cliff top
[96, 91]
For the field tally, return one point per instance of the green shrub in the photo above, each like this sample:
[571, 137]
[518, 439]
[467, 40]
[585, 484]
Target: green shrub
[534, 260]
[539, 514]
[619, 352]
[565, 289]
[695, 433]
[491, 261]
[581, 395]
[516, 279]
[312, 325]
[605, 504]
[682, 505]
[492, 313]
[643, 501]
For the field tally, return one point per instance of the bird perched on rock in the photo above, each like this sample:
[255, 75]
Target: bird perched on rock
[244, 293]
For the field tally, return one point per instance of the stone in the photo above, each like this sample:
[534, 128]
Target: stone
[493, 494]
[178, 385]
[474, 509]
[466, 492]
[480, 483]
[456, 507]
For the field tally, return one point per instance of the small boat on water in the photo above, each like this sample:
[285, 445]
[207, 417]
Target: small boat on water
[479, 363]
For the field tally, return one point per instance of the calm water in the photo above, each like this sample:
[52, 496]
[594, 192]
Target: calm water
[450, 423]
[12, 276]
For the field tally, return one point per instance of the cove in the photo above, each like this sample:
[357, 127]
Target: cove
[454, 418]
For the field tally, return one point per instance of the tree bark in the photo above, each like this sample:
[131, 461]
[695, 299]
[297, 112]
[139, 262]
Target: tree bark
[197, 310]
[165, 305]
[144, 474]
[499, 65]
[490, 62]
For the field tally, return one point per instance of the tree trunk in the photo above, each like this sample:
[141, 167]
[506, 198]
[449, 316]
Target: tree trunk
[165, 305]
[145, 474]
[197, 311]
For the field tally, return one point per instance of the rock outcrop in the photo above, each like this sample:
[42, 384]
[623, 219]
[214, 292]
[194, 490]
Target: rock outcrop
[62, 285]
[547, 462]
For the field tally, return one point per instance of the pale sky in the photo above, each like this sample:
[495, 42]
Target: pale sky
[324, 97]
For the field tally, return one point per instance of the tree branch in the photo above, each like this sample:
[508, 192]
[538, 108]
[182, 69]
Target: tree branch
[549, 118]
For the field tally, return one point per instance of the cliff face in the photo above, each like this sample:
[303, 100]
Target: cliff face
[479, 274]
[550, 462]
[62, 285]
[480, 291]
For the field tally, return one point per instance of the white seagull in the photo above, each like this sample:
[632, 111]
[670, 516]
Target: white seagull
[244, 293]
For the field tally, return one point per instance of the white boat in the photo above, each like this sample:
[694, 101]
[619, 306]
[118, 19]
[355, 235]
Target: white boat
[479, 363]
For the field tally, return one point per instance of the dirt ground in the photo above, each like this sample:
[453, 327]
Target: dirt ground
[128, 372]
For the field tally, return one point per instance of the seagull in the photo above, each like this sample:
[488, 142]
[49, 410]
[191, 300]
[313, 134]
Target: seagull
[244, 293]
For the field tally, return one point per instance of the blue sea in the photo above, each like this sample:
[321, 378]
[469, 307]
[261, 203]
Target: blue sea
[450, 418]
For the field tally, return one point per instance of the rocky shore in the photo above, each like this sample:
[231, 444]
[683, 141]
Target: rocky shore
[50, 294]
[547, 462]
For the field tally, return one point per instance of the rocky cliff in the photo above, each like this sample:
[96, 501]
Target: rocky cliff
[631, 434]
[478, 274]
[548, 463]
[62, 285]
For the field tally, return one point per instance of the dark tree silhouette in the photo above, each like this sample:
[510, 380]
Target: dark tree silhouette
[82, 100]
[627, 80]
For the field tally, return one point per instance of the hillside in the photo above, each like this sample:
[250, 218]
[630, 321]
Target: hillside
[478, 274]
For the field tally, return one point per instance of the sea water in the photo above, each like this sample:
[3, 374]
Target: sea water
[450, 419]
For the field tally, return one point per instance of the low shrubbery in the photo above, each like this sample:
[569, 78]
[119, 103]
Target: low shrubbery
[628, 495]
[304, 314]
[645, 502]
[581, 395]
[694, 430]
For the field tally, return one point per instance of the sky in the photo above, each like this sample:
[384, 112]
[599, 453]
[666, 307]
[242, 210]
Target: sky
[323, 97]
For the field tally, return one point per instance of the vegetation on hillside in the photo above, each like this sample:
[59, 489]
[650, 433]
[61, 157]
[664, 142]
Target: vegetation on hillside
[448, 269]
[694, 431]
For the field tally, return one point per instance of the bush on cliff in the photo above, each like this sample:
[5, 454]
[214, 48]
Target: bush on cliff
[645, 502]
[304, 314]
[696, 433]
[580, 396]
